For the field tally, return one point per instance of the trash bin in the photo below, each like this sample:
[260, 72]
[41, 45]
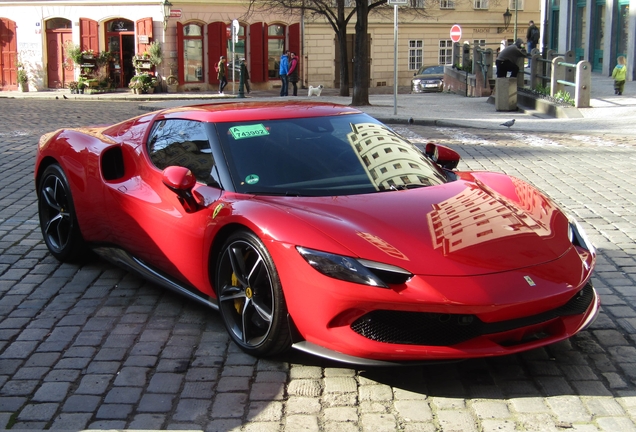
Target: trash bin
[506, 94]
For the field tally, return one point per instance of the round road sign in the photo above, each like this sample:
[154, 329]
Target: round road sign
[456, 33]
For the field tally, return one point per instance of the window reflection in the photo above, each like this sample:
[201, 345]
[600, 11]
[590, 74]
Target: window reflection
[275, 47]
[193, 53]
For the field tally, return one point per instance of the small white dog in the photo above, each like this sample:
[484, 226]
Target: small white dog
[314, 91]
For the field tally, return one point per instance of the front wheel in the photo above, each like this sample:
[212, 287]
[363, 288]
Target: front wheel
[58, 221]
[250, 296]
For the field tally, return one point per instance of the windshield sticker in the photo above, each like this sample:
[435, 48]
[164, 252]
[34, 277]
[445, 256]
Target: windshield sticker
[241, 132]
[252, 179]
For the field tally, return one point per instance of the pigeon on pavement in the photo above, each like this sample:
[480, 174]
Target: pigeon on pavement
[508, 123]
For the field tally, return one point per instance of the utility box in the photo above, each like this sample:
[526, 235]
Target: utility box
[506, 94]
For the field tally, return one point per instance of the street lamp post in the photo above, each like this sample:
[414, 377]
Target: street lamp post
[507, 16]
[166, 13]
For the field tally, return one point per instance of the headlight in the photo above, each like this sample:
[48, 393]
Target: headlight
[354, 270]
[577, 235]
[416, 82]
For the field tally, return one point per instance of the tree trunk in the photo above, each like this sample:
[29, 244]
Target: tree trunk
[344, 61]
[361, 56]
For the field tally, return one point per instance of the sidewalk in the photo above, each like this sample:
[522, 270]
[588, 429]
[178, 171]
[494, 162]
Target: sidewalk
[609, 114]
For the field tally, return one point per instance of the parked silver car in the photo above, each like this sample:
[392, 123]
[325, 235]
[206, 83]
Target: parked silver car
[428, 79]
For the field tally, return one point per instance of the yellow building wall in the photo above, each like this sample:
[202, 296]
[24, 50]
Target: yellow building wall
[477, 24]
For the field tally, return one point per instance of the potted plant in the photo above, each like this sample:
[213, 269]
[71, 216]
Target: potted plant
[173, 83]
[73, 87]
[74, 52]
[135, 84]
[155, 54]
[103, 58]
[88, 54]
[23, 79]
[81, 85]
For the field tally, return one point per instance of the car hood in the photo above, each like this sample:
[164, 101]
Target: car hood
[429, 76]
[481, 224]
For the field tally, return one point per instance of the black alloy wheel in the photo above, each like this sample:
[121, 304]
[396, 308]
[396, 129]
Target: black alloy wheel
[58, 221]
[250, 296]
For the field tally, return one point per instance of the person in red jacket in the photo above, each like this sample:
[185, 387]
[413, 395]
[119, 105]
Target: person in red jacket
[292, 75]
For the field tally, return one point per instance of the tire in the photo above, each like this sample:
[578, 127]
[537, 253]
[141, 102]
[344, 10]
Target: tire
[58, 220]
[250, 296]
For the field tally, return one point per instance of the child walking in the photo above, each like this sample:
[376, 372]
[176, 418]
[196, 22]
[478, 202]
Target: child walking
[619, 74]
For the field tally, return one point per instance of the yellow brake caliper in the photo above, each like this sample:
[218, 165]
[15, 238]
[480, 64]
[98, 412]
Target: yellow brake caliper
[238, 302]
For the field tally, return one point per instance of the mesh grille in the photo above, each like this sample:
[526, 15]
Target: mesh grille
[421, 328]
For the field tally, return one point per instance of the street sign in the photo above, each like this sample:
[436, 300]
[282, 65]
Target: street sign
[456, 33]
[397, 2]
[175, 13]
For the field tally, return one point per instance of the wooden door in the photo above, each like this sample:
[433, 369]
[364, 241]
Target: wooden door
[8, 55]
[59, 72]
[350, 56]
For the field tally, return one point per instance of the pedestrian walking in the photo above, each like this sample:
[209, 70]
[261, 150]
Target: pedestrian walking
[246, 75]
[293, 72]
[283, 70]
[619, 74]
[221, 74]
[507, 59]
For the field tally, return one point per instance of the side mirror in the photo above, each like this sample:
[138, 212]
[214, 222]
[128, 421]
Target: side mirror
[181, 181]
[442, 155]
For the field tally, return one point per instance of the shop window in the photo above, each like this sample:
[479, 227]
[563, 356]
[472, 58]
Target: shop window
[120, 25]
[193, 53]
[275, 48]
[58, 23]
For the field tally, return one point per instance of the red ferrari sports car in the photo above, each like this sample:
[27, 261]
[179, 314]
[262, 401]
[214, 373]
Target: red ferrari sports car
[315, 226]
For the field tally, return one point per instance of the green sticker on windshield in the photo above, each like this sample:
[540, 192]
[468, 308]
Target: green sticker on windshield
[241, 132]
[252, 179]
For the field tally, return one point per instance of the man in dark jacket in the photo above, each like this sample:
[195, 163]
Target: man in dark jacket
[532, 38]
[507, 59]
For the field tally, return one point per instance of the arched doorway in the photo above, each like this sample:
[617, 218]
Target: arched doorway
[58, 33]
[120, 41]
[8, 55]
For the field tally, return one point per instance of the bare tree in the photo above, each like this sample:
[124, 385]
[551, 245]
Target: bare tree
[334, 12]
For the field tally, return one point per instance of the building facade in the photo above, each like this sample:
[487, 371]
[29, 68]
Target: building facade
[195, 33]
[596, 30]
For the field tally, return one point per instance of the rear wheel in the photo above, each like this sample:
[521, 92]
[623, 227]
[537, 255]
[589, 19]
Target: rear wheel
[250, 296]
[57, 216]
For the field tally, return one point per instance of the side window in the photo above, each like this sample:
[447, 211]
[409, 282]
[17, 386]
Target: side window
[181, 143]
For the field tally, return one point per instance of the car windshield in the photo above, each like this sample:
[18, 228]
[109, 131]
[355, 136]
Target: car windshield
[322, 156]
[430, 70]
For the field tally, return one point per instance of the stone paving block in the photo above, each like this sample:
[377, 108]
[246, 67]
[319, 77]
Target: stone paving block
[224, 425]
[114, 411]
[70, 421]
[147, 422]
[263, 411]
[341, 414]
[11, 403]
[192, 410]
[568, 409]
[81, 404]
[491, 409]
[123, 395]
[328, 426]
[38, 412]
[413, 410]
[302, 405]
[301, 387]
[32, 373]
[613, 424]
[131, 377]
[229, 405]
[377, 392]
[165, 383]
[155, 403]
[378, 422]
[267, 391]
[51, 392]
[305, 372]
[94, 384]
[298, 422]
[198, 390]
[233, 384]
[262, 427]
[340, 384]
[456, 420]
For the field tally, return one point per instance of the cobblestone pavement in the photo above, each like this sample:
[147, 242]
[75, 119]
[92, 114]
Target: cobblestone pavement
[95, 347]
